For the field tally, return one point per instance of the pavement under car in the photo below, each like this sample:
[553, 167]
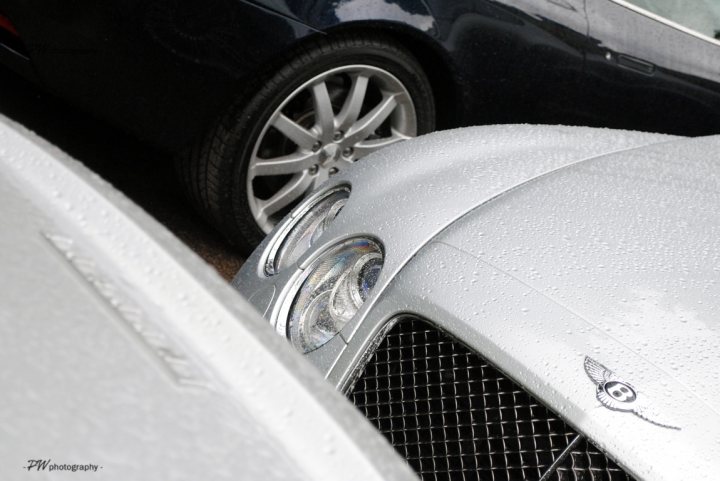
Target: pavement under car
[137, 169]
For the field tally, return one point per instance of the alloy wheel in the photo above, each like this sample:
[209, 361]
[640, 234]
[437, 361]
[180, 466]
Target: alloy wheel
[324, 126]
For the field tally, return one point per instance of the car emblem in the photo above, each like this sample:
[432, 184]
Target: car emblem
[619, 395]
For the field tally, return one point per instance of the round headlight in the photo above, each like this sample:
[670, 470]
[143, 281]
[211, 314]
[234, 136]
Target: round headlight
[306, 224]
[331, 294]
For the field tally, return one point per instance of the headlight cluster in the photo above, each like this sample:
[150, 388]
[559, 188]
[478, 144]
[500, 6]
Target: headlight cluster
[332, 288]
[337, 285]
[305, 226]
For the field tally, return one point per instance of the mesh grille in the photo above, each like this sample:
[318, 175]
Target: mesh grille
[455, 417]
[586, 462]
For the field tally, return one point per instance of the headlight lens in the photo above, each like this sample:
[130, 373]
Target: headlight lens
[332, 293]
[307, 225]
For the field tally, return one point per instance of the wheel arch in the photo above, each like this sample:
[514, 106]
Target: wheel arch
[423, 46]
[429, 53]
[410, 24]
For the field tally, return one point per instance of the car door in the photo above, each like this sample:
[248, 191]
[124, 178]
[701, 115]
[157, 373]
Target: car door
[654, 65]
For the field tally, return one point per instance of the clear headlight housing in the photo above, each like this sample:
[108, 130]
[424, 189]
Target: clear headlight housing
[306, 225]
[337, 285]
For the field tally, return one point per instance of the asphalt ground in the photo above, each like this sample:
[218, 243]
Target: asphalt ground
[137, 169]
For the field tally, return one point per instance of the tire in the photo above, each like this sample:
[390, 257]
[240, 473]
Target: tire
[226, 174]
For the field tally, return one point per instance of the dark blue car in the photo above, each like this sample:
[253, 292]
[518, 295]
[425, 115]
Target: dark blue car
[261, 100]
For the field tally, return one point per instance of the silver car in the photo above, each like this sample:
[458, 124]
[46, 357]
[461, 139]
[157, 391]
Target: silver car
[124, 357]
[515, 302]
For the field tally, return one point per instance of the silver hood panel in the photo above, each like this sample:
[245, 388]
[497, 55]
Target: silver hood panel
[627, 246]
[616, 258]
[407, 194]
[542, 345]
[538, 246]
[120, 348]
[630, 242]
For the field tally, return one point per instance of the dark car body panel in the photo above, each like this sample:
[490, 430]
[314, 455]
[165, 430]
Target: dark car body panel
[161, 69]
[508, 61]
[165, 69]
[652, 73]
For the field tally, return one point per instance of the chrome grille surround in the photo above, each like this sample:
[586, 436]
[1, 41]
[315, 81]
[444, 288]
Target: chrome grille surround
[455, 417]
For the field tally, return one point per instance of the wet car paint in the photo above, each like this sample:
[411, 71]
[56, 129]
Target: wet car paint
[166, 69]
[537, 246]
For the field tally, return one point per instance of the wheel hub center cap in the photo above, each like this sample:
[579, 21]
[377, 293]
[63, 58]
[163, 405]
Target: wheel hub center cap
[330, 153]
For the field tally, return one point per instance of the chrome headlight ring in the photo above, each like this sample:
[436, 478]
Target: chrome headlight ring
[325, 296]
[303, 227]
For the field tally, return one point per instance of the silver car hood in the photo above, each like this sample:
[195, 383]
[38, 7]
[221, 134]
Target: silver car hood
[407, 194]
[630, 242]
[122, 353]
[539, 246]
[615, 258]
[618, 259]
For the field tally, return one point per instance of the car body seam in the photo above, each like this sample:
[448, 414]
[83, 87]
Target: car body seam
[283, 15]
[432, 237]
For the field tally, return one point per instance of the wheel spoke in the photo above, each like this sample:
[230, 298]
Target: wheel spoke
[302, 137]
[324, 129]
[353, 103]
[366, 147]
[324, 115]
[364, 127]
[293, 190]
[319, 178]
[286, 164]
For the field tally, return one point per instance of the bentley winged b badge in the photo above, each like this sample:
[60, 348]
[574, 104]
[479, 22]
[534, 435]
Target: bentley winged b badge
[619, 395]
